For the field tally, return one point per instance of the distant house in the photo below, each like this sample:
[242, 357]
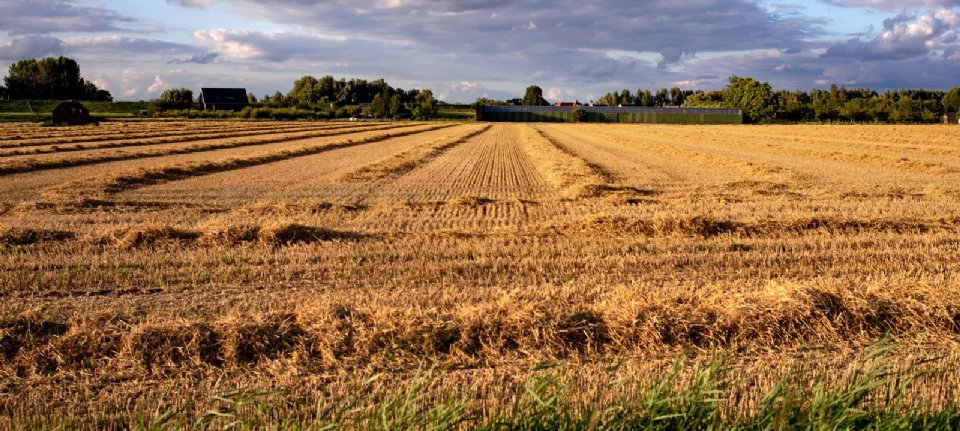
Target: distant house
[950, 118]
[72, 113]
[219, 99]
[576, 103]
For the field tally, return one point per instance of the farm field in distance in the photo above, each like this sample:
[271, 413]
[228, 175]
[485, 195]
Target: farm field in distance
[291, 269]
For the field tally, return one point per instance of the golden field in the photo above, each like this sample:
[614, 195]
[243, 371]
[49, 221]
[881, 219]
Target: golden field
[148, 267]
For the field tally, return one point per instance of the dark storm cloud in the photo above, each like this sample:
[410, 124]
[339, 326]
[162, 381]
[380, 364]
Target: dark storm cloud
[54, 16]
[501, 28]
[31, 47]
[197, 59]
[118, 47]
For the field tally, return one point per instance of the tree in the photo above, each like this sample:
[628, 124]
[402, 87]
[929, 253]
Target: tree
[712, 99]
[677, 96]
[91, 92]
[661, 98]
[426, 104]
[534, 97]
[644, 98]
[3, 92]
[951, 100]
[579, 114]
[305, 91]
[278, 99]
[50, 79]
[251, 98]
[176, 98]
[907, 110]
[754, 98]
[378, 107]
[394, 106]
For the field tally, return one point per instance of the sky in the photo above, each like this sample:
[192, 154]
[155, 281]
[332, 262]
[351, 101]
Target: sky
[465, 49]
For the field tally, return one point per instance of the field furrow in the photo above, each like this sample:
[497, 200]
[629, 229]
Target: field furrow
[30, 185]
[490, 165]
[13, 165]
[305, 177]
[132, 140]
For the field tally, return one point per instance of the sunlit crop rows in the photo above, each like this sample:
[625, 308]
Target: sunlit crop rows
[150, 264]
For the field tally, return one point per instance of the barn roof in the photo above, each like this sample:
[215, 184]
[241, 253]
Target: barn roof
[224, 95]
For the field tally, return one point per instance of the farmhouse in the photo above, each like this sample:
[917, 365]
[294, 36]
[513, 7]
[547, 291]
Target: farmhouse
[950, 118]
[219, 99]
[72, 113]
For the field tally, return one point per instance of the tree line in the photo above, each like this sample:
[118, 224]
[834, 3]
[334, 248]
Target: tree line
[382, 99]
[50, 78]
[760, 103]
[341, 96]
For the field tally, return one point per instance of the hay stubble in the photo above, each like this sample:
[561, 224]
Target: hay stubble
[477, 250]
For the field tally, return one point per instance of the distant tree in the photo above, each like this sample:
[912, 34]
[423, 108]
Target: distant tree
[534, 97]
[394, 106]
[278, 99]
[754, 98]
[907, 110]
[50, 79]
[951, 100]
[378, 107]
[677, 96]
[644, 98]
[251, 98]
[793, 105]
[266, 99]
[711, 99]
[661, 98]
[305, 91]
[579, 114]
[625, 98]
[426, 104]
[3, 92]
[176, 98]
[92, 92]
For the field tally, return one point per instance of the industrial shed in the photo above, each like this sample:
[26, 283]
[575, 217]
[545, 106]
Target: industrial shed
[220, 99]
[610, 114]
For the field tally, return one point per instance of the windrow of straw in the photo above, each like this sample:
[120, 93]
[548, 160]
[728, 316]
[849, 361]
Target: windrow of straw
[564, 171]
[171, 135]
[281, 233]
[31, 165]
[519, 325]
[707, 226]
[73, 191]
[11, 235]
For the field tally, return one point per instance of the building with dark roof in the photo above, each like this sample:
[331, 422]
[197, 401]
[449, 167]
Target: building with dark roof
[219, 99]
[71, 113]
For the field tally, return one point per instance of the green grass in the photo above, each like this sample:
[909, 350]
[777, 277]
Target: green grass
[39, 110]
[684, 397]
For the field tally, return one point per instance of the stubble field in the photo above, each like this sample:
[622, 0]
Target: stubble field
[200, 273]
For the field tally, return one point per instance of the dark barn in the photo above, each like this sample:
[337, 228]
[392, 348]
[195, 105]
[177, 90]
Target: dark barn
[219, 99]
[72, 113]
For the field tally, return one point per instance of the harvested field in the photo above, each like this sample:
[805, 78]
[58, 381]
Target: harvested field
[278, 272]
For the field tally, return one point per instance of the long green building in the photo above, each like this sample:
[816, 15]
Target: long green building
[609, 114]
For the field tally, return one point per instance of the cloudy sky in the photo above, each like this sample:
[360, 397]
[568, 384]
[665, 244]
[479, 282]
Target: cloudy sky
[463, 49]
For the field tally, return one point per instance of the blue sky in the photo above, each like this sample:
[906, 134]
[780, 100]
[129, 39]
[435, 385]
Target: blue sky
[463, 49]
